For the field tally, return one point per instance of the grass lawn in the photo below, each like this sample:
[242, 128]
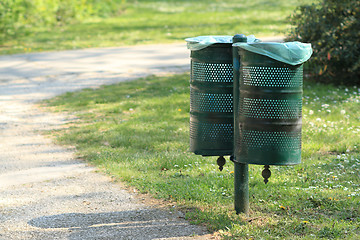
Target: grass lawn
[138, 132]
[161, 21]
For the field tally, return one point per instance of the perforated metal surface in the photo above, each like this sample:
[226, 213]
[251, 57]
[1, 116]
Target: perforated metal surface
[212, 72]
[211, 102]
[269, 141]
[270, 108]
[211, 109]
[268, 114]
[272, 76]
[211, 132]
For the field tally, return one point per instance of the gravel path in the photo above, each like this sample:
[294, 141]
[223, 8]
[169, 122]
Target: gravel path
[45, 193]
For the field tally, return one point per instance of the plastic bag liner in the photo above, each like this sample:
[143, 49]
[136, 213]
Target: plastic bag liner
[201, 42]
[292, 53]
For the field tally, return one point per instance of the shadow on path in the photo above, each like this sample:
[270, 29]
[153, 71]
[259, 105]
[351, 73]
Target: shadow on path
[138, 224]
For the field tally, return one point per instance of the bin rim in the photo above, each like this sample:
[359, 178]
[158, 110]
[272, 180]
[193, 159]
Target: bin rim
[201, 42]
[293, 53]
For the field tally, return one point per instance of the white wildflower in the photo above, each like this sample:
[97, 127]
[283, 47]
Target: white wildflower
[325, 105]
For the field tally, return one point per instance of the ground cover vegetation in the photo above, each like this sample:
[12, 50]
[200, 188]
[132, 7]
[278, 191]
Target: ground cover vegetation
[138, 132]
[43, 25]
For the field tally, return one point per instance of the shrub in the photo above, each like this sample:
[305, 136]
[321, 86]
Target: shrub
[332, 26]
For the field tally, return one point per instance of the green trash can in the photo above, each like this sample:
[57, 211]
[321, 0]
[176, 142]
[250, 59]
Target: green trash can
[211, 95]
[269, 113]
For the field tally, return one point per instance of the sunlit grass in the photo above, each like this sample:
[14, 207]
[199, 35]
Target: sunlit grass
[138, 132]
[146, 22]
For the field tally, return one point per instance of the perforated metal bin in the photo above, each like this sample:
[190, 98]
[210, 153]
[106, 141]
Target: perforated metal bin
[211, 100]
[269, 112]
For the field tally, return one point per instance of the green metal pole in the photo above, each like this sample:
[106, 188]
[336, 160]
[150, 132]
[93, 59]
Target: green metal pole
[241, 184]
[241, 170]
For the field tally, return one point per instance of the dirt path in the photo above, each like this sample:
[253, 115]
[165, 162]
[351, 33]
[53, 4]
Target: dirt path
[45, 193]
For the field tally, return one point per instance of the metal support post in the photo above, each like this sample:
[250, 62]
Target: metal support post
[241, 170]
[241, 184]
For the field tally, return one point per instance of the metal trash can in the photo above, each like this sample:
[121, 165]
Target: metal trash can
[269, 114]
[211, 98]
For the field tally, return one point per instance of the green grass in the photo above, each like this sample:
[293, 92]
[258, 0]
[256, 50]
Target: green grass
[151, 21]
[138, 132]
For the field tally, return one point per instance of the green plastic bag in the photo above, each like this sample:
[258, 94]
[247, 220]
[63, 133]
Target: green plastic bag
[292, 53]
